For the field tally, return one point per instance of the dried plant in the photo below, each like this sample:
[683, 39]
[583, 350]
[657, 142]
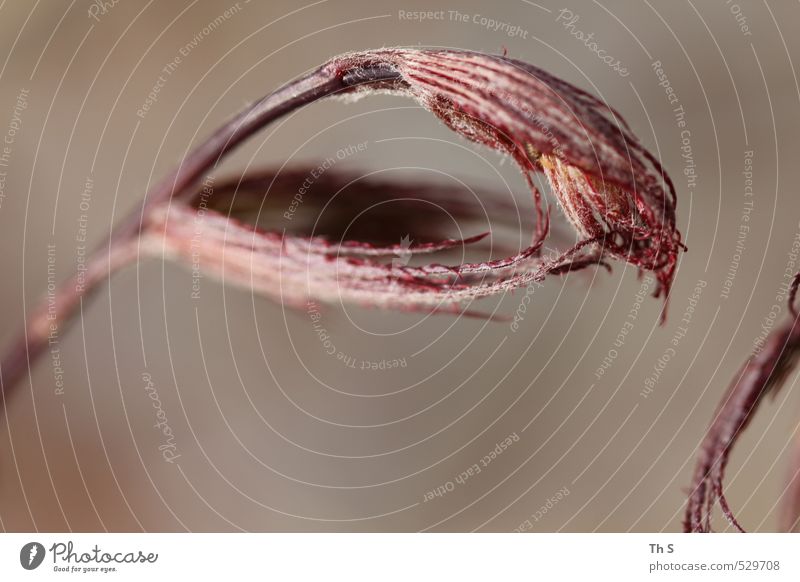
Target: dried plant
[763, 373]
[611, 189]
[789, 514]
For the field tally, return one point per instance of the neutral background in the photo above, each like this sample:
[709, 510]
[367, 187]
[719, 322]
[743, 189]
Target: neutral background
[274, 434]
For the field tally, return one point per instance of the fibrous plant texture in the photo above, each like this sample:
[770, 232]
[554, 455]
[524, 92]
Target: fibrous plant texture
[762, 374]
[610, 188]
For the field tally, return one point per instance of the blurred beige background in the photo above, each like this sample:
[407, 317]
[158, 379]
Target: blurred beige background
[274, 434]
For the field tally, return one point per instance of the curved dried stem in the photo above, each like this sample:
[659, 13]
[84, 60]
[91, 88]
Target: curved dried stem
[44, 321]
[763, 373]
[790, 502]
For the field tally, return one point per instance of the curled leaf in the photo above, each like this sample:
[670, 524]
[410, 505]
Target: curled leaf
[609, 186]
[611, 189]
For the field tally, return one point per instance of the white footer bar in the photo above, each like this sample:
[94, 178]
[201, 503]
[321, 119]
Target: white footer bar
[401, 557]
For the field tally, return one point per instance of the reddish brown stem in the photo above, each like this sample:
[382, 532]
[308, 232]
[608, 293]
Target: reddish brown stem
[52, 314]
[763, 373]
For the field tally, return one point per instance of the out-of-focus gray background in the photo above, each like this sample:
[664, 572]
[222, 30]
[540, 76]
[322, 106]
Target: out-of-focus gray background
[273, 433]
